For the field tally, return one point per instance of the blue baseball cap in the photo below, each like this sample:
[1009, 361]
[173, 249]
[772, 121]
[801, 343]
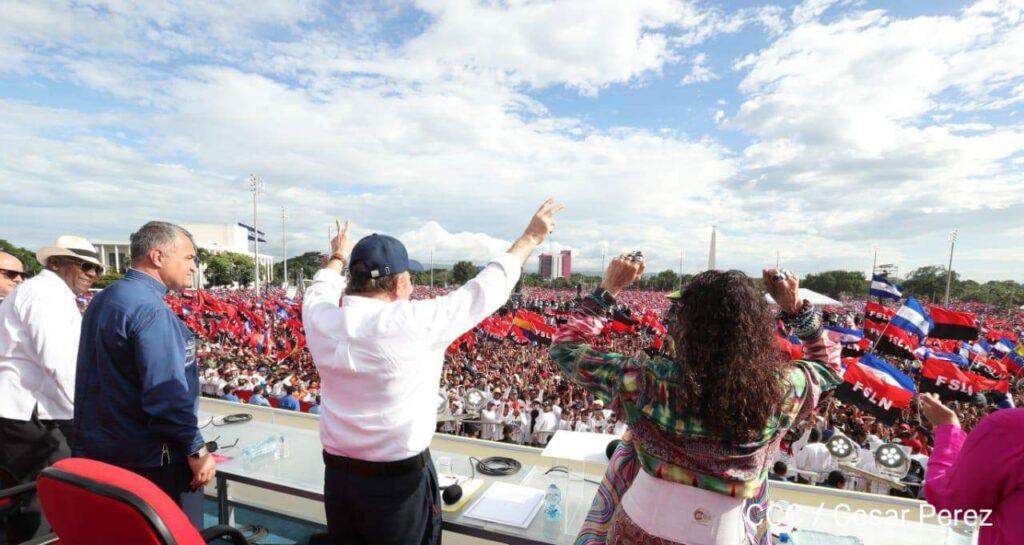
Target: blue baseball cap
[377, 256]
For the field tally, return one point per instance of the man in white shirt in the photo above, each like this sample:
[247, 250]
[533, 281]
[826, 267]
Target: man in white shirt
[380, 357]
[40, 326]
[546, 425]
[491, 426]
[814, 457]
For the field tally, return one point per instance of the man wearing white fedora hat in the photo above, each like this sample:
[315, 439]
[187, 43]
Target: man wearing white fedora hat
[40, 326]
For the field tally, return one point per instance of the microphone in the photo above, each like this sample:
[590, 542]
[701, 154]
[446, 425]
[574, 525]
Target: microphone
[451, 494]
[610, 449]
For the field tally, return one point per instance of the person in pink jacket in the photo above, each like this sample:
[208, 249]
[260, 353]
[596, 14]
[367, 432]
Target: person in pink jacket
[980, 471]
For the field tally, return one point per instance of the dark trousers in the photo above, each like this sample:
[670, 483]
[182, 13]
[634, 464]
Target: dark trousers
[383, 510]
[26, 448]
[174, 480]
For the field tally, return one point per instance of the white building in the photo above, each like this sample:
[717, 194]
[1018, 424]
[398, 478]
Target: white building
[215, 237]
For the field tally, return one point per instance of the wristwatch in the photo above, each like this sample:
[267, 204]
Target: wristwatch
[199, 453]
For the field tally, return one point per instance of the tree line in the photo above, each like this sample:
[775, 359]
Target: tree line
[929, 283]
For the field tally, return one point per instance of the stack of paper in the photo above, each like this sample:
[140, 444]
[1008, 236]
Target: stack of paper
[507, 504]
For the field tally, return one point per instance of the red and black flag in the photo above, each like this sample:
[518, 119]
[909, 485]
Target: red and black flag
[879, 313]
[954, 384]
[950, 324]
[897, 342]
[876, 317]
[988, 367]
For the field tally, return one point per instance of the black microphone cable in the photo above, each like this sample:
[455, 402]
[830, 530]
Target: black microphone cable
[238, 418]
[497, 466]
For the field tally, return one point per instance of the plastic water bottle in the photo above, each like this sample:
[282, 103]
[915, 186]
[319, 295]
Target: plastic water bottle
[282, 448]
[269, 445]
[553, 503]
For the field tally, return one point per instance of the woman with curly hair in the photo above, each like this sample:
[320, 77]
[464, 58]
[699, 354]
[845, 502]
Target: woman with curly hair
[706, 422]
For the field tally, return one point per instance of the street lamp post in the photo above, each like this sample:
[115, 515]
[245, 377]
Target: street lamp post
[284, 243]
[256, 187]
[681, 256]
[949, 271]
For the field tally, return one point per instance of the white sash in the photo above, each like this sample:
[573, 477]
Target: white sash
[682, 513]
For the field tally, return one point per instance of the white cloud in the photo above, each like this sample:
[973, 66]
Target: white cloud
[848, 106]
[584, 44]
[699, 71]
[852, 122]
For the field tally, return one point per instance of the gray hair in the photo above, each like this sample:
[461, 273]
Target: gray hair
[155, 234]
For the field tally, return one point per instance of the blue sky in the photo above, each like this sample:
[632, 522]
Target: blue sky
[818, 129]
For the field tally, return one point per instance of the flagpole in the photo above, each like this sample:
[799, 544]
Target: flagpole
[880, 335]
[256, 187]
[284, 244]
[949, 271]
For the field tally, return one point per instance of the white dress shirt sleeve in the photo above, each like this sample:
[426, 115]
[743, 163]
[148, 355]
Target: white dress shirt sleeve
[444, 319]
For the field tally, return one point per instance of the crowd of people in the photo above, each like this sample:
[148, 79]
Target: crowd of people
[252, 350]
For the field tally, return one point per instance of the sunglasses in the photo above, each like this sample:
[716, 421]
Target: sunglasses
[86, 266]
[12, 275]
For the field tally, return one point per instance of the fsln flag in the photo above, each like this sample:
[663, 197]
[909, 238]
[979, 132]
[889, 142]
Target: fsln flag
[989, 367]
[953, 384]
[914, 319]
[897, 342]
[950, 324]
[877, 388]
[878, 312]
[882, 287]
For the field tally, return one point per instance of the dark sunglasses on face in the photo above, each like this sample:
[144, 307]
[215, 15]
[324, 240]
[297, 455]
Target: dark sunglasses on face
[86, 266]
[12, 275]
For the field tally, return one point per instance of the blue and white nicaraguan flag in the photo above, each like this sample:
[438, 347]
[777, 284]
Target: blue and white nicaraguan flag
[882, 287]
[914, 319]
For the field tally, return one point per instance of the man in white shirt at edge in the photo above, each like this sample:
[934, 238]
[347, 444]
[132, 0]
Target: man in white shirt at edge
[40, 327]
[491, 426]
[380, 357]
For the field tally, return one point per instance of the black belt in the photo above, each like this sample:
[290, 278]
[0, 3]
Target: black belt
[378, 469]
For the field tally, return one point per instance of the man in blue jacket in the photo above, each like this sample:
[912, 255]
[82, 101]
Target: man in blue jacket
[258, 398]
[137, 391]
[288, 401]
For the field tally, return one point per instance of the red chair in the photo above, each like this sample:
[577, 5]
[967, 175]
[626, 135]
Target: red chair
[89, 502]
[244, 395]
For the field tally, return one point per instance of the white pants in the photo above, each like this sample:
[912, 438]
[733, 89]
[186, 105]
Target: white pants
[682, 513]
